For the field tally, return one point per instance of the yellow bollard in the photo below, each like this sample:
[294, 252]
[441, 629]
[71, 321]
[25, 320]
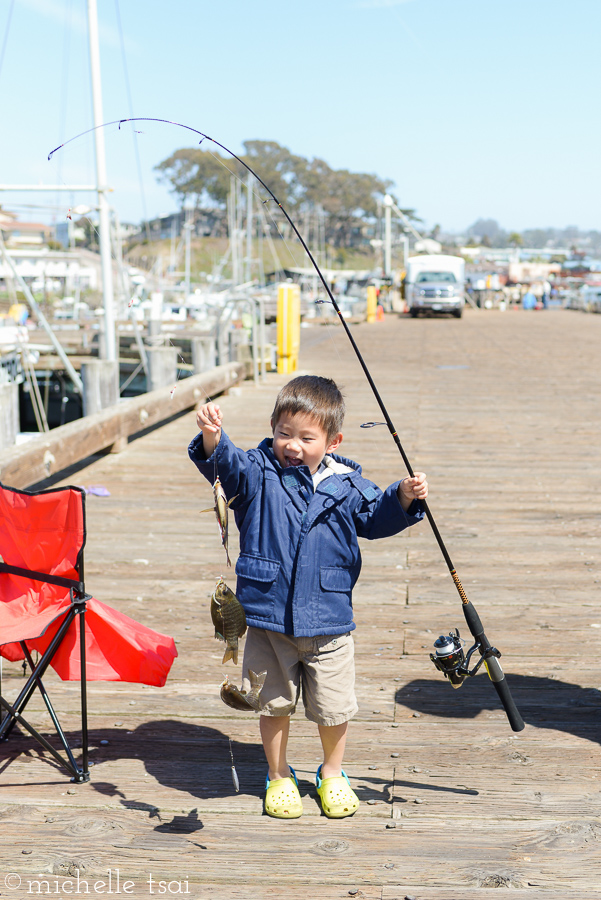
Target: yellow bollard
[18, 312]
[372, 303]
[288, 327]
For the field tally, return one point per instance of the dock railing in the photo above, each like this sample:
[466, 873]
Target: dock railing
[51, 452]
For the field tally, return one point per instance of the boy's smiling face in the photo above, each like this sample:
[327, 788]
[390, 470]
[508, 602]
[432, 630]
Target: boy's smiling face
[299, 440]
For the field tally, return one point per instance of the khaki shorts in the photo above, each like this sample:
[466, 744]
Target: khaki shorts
[322, 667]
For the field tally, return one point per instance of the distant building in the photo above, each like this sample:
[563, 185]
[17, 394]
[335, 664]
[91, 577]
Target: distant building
[20, 234]
[68, 233]
[60, 272]
[205, 223]
[529, 272]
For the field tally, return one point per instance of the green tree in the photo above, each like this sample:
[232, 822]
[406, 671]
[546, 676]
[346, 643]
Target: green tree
[276, 166]
[199, 174]
[349, 199]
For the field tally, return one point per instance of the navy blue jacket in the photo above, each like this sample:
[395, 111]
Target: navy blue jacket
[299, 555]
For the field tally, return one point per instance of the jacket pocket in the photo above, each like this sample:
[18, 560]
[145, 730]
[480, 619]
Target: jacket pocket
[335, 601]
[256, 585]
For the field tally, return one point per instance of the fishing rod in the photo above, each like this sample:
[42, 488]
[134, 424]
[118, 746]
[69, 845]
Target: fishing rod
[449, 657]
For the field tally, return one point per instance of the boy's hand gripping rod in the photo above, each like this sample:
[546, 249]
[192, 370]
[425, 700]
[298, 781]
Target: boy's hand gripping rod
[450, 658]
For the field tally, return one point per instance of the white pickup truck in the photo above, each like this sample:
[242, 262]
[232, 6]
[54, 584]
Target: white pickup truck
[435, 283]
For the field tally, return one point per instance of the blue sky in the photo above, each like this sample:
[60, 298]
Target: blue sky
[472, 107]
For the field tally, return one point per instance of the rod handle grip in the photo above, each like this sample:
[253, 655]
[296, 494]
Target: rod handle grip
[473, 620]
[515, 719]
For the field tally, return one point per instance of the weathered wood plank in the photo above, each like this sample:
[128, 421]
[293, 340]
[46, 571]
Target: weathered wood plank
[513, 456]
[348, 853]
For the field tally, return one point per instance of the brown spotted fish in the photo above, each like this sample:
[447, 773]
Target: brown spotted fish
[242, 700]
[228, 618]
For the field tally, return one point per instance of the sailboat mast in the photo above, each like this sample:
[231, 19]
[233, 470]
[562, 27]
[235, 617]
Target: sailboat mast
[101, 186]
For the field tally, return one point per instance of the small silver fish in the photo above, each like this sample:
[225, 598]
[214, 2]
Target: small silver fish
[235, 778]
[221, 507]
[239, 699]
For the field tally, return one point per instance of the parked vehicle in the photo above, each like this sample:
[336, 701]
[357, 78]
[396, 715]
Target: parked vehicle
[435, 284]
[591, 297]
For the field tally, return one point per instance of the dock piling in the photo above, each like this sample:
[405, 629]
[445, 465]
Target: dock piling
[9, 414]
[100, 378]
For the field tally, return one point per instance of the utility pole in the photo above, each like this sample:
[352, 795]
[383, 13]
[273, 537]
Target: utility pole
[405, 243]
[232, 222]
[188, 236]
[249, 227]
[172, 249]
[101, 186]
[388, 201]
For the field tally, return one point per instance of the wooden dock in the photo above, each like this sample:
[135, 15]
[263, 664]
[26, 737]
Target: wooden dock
[502, 412]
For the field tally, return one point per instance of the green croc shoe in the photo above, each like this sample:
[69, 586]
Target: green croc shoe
[338, 799]
[282, 799]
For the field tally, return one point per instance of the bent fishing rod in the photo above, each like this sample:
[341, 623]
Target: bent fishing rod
[449, 657]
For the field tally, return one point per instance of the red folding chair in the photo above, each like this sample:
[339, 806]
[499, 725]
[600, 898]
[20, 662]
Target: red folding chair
[44, 607]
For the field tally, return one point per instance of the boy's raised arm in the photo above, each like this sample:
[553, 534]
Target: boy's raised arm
[209, 420]
[214, 454]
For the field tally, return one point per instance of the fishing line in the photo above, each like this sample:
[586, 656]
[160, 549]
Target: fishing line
[131, 112]
[488, 654]
[178, 369]
[64, 86]
[264, 208]
[265, 211]
[264, 203]
[95, 232]
[277, 265]
[329, 293]
[6, 31]
[203, 137]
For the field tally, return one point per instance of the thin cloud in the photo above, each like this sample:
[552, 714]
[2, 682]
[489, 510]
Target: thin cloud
[404, 25]
[379, 4]
[391, 5]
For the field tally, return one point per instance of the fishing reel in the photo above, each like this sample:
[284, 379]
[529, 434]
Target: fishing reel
[450, 658]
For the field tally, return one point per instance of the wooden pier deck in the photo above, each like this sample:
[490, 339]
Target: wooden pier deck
[502, 412]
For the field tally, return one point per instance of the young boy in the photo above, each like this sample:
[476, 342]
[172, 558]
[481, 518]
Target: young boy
[299, 509]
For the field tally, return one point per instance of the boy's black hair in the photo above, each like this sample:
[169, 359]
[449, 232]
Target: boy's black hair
[313, 396]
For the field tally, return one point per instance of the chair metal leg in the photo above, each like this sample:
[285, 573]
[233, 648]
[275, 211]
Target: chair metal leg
[14, 712]
[31, 684]
[50, 708]
[16, 716]
[83, 773]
